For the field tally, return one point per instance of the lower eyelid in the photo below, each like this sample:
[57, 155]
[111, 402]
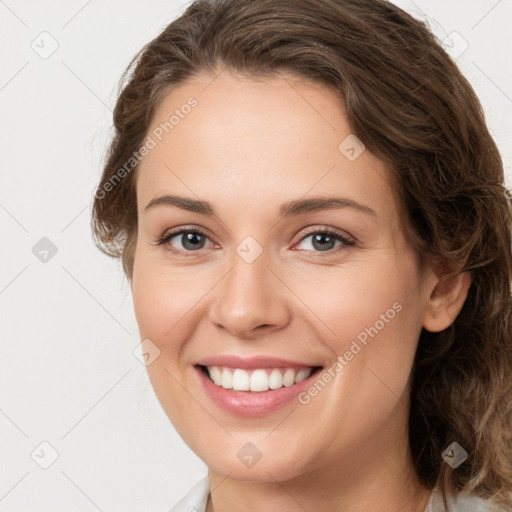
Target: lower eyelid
[165, 240]
[344, 244]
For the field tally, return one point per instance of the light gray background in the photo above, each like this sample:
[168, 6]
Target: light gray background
[69, 376]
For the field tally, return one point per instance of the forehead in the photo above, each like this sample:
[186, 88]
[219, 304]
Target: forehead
[280, 138]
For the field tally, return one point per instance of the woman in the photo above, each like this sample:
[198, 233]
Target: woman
[312, 216]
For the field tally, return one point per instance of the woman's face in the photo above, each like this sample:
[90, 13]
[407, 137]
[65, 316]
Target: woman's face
[261, 294]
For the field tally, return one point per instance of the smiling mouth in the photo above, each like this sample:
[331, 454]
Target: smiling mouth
[257, 379]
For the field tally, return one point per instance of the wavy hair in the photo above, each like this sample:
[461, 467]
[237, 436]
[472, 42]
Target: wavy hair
[409, 103]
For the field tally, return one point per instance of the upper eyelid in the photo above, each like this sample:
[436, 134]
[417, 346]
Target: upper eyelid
[345, 237]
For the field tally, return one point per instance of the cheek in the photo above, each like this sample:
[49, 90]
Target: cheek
[373, 325]
[387, 334]
[167, 303]
[156, 300]
[369, 315]
[348, 301]
[161, 305]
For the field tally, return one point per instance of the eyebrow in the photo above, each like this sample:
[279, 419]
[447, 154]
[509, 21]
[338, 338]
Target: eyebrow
[289, 209]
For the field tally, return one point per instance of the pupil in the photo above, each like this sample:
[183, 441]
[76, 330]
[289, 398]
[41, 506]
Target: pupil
[320, 238]
[192, 238]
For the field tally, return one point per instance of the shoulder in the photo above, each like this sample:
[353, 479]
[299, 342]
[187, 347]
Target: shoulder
[460, 502]
[470, 503]
[196, 498]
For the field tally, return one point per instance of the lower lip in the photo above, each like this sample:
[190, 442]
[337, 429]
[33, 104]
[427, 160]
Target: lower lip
[252, 403]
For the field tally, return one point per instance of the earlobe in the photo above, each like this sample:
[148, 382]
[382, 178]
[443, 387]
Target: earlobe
[446, 301]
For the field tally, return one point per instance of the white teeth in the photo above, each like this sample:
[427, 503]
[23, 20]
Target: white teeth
[241, 381]
[259, 380]
[302, 375]
[215, 375]
[275, 379]
[256, 380]
[227, 380]
[289, 377]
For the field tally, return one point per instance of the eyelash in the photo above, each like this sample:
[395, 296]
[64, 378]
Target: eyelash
[347, 242]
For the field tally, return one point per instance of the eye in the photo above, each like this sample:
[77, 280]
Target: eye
[191, 240]
[324, 240]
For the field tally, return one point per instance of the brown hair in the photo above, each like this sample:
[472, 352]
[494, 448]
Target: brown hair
[408, 102]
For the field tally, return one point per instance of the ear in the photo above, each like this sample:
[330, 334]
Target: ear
[446, 299]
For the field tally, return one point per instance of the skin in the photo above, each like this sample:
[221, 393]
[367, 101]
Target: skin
[247, 147]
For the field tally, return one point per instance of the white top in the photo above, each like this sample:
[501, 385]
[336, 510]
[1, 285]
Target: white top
[196, 499]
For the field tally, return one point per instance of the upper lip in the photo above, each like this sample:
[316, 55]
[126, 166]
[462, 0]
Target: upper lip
[233, 361]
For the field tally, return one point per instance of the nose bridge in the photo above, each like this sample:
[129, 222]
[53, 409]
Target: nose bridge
[250, 295]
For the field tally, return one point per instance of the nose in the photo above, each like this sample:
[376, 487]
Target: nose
[251, 300]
